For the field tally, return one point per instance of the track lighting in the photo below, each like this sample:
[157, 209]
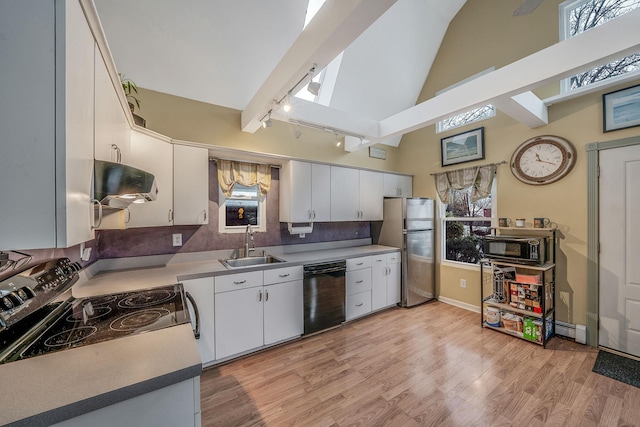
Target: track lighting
[287, 103]
[267, 123]
[314, 88]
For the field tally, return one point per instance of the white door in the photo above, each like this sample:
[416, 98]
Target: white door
[619, 307]
[321, 192]
[190, 185]
[345, 191]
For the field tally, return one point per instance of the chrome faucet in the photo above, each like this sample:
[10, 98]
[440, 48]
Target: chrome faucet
[248, 234]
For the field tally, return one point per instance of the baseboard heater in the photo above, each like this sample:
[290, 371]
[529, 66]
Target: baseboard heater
[577, 332]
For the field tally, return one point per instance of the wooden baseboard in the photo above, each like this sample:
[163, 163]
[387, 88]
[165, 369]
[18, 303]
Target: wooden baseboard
[460, 304]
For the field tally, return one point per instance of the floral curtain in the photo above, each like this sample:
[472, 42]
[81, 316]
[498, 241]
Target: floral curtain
[247, 174]
[479, 177]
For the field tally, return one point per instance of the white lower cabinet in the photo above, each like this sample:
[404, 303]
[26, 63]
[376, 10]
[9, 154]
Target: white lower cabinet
[385, 285]
[202, 292]
[255, 309]
[174, 405]
[358, 287]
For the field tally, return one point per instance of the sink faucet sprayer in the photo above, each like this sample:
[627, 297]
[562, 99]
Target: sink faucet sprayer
[248, 234]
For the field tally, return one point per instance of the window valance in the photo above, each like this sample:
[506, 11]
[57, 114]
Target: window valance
[247, 174]
[480, 178]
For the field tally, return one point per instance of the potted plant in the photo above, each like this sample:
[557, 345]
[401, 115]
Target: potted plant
[130, 91]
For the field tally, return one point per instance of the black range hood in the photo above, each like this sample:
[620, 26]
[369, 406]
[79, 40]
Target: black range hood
[117, 185]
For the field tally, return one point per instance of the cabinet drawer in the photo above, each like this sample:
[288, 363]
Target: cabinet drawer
[234, 282]
[358, 263]
[393, 258]
[358, 305]
[286, 274]
[358, 281]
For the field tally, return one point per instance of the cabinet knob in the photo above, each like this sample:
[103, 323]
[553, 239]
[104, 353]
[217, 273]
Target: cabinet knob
[240, 282]
[259, 295]
[359, 305]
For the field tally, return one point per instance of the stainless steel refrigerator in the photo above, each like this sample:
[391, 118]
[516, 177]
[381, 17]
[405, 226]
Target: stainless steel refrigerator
[409, 224]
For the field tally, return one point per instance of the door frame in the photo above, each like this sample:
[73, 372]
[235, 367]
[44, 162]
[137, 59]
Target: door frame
[593, 227]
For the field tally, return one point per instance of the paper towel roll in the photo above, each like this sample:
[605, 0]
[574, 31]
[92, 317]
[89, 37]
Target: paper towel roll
[300, 229]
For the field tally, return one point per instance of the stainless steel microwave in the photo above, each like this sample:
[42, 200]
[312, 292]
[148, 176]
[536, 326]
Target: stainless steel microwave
[519, 249]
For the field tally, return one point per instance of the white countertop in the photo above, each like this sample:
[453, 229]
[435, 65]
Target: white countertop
[58, 386]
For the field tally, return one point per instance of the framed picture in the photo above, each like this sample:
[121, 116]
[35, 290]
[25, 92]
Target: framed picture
[463, 147]
[621, 109]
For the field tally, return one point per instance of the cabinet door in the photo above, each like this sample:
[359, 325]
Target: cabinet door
[379, 282]
[202, 292]
[344, 194]
[371, 195]
[111, 125]
[295, 192]
[238, 321]
[74, 130]
[190, 185]
[321, 192]
[393, 283]
[155, 156]
[397, 185]
[283, 311]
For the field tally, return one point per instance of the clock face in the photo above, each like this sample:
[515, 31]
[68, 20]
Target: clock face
[542, 160]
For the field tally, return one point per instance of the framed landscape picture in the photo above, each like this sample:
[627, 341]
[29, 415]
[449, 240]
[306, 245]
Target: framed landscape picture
[463, 147]
[621, 109]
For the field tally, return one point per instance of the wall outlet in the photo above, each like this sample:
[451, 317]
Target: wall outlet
[463, 283]
[177, 239]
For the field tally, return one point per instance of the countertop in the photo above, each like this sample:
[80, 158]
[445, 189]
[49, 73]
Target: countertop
[114, 281]
[51, 388]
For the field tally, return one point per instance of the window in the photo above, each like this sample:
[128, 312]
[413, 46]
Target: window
[245, 206]
[465, 118]
[471, 116]
[465, 223]
[577, 16]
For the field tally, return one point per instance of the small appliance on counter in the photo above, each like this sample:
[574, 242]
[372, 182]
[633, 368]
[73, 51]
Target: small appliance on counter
[409, 224]
[38, 314]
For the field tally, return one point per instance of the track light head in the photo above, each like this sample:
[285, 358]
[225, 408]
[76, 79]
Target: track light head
[287, 104]
[267, 123]
[314, 88]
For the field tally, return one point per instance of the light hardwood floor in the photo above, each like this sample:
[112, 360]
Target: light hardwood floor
[428, 365]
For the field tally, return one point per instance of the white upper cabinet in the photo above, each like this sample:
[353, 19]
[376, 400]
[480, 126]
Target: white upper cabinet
[356, 195]
[46, 117]
[305, 192]
[398, 185]
[190, 185]
[345, 198]
[371, 196]
[154, 155]
[111, 126]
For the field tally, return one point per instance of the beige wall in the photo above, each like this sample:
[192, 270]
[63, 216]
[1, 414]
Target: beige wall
[188, 120]
[483, 34]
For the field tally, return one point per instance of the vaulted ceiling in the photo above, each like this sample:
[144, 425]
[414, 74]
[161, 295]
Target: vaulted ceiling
[248, 55]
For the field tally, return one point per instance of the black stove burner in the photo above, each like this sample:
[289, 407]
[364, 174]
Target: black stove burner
[147, 298]
[138, 319]
[72, 336]
[92, 320]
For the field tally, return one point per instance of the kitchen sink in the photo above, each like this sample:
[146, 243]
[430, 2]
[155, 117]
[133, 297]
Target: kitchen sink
[250, 261]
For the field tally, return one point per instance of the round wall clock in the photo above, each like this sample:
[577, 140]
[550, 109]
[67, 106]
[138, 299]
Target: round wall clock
[543, 160]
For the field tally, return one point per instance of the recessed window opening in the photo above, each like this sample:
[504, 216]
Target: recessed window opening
[471, 116]
[245, 206]
[578, 16]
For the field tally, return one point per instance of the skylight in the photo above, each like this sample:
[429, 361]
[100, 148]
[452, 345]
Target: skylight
[312, 8]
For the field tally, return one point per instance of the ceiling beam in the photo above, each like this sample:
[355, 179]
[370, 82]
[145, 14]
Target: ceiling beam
[526, 108]
[336, 25]
[615, 39]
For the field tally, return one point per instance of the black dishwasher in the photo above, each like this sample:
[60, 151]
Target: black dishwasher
[324, 295]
